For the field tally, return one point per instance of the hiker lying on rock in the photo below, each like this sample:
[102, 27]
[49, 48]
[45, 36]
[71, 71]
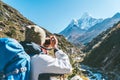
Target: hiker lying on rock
[42, 63]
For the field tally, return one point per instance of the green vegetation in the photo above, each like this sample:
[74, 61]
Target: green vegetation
[12, 22]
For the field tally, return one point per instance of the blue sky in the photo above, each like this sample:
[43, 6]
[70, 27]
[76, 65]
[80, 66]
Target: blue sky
[55, 15]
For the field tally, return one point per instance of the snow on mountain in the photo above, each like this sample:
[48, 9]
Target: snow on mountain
[72, 31]
[78, 27]
[86, 21]
[86, 28]
[74, 22]
[98, 28]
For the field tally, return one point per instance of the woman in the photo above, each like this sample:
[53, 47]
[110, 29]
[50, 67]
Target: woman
[42, 63]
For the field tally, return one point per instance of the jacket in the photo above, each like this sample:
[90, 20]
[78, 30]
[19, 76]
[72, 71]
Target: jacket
[45, 64]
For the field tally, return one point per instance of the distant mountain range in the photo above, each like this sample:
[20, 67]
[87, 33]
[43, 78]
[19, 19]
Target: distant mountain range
[87, 28]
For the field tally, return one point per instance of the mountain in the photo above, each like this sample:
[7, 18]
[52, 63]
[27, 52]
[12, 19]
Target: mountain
[98, 28]
[73, 30]
[86, 21]
[78, 27]
[104, 52]
[88, 28]
[12, 24]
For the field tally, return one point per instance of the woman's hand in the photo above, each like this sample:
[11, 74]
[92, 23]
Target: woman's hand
[54, 42]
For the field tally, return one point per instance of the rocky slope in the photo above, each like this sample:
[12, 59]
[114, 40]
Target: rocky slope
[104, 52]
[12, 24]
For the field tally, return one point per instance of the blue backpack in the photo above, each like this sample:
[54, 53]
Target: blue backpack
[14, 62]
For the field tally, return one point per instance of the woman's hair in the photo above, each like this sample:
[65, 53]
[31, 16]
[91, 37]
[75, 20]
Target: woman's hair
[35, 34]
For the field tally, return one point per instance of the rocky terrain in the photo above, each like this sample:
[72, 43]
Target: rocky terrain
[104, 52]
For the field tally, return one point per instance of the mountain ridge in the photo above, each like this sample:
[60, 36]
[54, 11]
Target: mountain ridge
[98, 26]
[78, 27]
[104, 53]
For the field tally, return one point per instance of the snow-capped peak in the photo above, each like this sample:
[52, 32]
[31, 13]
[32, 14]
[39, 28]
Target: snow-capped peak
[86, 21]
[85, 15]
[74, 22]
[117, 15]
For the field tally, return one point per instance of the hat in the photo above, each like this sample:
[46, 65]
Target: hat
[35, 34]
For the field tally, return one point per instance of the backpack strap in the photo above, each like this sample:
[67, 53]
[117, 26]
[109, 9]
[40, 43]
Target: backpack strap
[31, 48]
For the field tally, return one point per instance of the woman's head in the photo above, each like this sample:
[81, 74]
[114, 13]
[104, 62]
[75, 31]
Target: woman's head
[35, 34]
